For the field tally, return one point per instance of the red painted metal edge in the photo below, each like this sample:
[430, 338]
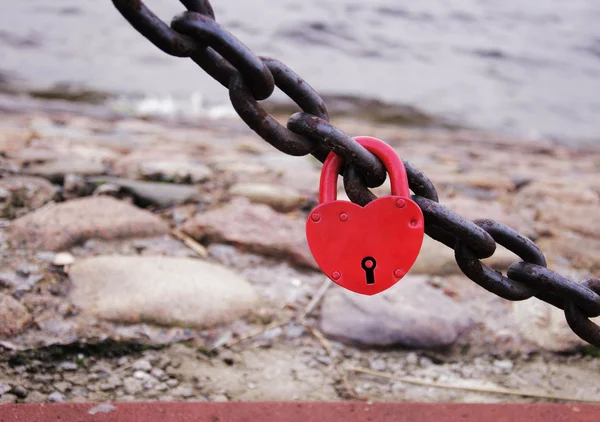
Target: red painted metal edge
[298, 412]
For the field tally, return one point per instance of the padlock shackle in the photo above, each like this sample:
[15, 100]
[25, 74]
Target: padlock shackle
[391, 161]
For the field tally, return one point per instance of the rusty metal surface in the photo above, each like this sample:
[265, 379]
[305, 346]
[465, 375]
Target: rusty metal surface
[249, 79]
[299, 412]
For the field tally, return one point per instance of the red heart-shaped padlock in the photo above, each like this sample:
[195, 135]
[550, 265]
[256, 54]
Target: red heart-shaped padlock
[366, 249]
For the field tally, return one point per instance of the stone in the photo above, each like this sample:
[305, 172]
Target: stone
[478, 179]
[73, 222]
[547, 191]
[378, 365]
[8, 399]
[35, 397]
[63, 386]
[18, 281]
[175, 171]
[158, 374]
[161, 387]
[4, 388]
[63, 258]
[55, 171]
[186, 393]
[14, 317]
[132, 386]
[163, 162]
[256, 228]
[23, 194]
[474, 209]
[546, 326]
[20, 392]
[577, 217]
[281, 198]
[436, 258]
[12, 139]
[141, 375]
[505, 365]
[111, 383]
[581, 252]
[410, 314]
[56, 397]
[220, 398]
[152, 193]
[142, 365]
[68, 366]
[161, 290]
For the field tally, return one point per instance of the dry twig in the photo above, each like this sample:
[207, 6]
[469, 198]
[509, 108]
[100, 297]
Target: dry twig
[334, 361]
[259, 331]
[190, 243]
[315, 301]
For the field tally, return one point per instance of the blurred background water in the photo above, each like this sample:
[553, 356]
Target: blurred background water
[528, 67]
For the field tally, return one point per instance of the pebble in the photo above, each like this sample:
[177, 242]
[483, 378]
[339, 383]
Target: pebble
[158, 373]
[425, 362]
[163, 362]
[161, 387]
[175, 171]
[141, 375]
[63, 386]
[412, 315]
[68, 366]
[378, 365]
[506, 364]
[23, 194]
[185, 292]
[8, 399]
[150, 383]
[172, 383]
[142, 365]
[186, 393]
[79, 392]
[35, 397]
[63, 258]
[295, 331]
[56, 397]
[20, 392]
[4, 388]
[220, 398]
[132, 386]
[14, 317]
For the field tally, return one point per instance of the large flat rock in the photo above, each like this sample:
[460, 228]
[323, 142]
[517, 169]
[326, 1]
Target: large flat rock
[14, 317]
[410, 314]
[256, 228]
[73, 222]
[160, 290]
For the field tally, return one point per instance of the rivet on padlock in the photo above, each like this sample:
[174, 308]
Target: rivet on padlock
[366, 249]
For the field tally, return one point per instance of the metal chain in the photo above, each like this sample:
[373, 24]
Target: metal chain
[250, 79]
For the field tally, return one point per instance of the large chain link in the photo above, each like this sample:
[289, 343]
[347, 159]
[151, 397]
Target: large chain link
[250, 79]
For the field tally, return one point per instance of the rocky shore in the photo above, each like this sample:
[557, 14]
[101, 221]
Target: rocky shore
[166, 260]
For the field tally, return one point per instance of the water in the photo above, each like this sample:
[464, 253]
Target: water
[531, 67]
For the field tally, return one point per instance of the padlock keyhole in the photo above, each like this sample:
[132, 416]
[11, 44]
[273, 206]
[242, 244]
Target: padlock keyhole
[368, 264]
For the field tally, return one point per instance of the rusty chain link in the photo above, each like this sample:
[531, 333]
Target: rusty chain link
[250, 79]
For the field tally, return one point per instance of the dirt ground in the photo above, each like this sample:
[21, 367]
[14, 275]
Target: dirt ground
[53, 350]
